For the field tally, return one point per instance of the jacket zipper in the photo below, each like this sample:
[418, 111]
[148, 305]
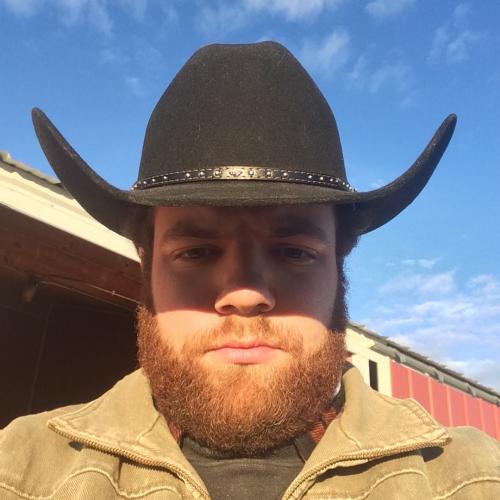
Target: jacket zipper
[323, 467]
[203, 494]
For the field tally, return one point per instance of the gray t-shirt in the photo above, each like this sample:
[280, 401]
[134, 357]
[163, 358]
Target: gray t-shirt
[228, 477]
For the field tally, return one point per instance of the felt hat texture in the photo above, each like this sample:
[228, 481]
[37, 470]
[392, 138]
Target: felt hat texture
[239, 125]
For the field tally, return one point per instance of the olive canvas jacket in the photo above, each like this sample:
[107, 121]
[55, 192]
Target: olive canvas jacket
[118, 446]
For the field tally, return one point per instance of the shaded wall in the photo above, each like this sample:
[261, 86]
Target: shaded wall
[59, 348]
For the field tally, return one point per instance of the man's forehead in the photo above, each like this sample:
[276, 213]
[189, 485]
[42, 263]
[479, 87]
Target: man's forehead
[316, 219]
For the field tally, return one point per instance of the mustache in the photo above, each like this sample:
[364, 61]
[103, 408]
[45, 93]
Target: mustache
[259, 330]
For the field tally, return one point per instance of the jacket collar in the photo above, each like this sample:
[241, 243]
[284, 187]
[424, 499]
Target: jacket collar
[124, 421]
[378, 425]
[371, 426]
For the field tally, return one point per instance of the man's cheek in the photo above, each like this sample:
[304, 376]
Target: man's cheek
[316, 304]
[172, 292]
[182, 328]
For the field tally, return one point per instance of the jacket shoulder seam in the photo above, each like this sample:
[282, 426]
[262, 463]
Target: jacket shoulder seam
[100, 440]
[413, 407]
[417, 410]
[115, 486]
[463, 484]
[79, 412]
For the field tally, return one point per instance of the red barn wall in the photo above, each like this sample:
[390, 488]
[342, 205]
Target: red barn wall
[449, 406]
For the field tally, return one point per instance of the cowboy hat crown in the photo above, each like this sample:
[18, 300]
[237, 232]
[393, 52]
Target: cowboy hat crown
[239, 125]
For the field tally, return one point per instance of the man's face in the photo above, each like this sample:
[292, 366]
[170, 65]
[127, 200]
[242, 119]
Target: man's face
[243, 304]
[215, 263]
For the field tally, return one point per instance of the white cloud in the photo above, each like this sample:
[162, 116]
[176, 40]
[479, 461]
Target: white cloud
[170, 13]
[452, 47]
[484, 284]
[423, 263]
[393, 74]
[453, 41]
[396, 73]
[147, 55]
[386, 8]
[97, 13]
[221, 18]
[400, 283]
[487, 371]
[458, 49]
[428, 263]
[443, 310]
[113, 55]
[99, 17]
[378, 183]
[291, 9]
[225, 16]
[137, 8]
[437, 284]
[437, 316]
[71, 12]
[326, 55]
[439, 43]
[24, 8]
[409, 342]
[137, 86]
[460, 14]
[359, 72]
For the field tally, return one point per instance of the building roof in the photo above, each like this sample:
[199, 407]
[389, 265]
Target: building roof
[423, 364]
[43, 198]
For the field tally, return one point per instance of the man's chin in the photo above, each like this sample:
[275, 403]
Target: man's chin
[242, 409]
[229, 381]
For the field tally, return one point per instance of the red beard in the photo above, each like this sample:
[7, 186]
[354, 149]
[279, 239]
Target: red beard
[242, 409]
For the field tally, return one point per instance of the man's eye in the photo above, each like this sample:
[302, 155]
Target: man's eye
[198, 253]
[297, 254]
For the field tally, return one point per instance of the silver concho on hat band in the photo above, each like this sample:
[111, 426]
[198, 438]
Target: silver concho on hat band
[243, 173]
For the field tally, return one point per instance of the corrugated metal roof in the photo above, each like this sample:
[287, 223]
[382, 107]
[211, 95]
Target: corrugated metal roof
[404, 355]
[7, 159]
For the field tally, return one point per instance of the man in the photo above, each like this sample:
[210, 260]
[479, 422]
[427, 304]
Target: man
[242, 216]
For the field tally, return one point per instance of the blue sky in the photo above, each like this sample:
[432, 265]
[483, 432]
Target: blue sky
[390, 69]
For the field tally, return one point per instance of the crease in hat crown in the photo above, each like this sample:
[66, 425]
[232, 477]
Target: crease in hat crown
[239, 125]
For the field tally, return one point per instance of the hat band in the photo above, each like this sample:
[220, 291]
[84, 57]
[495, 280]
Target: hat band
[243, 173]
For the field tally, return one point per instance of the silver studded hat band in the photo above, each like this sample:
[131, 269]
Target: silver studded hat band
[243, 173]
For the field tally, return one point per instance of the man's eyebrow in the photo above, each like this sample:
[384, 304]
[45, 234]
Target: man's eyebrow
[293, 225]
[188, 229]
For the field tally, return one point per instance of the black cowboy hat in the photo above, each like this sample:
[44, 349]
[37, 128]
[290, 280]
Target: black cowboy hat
[240, 125]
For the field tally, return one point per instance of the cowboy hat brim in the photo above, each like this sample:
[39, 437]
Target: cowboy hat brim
[114, 207]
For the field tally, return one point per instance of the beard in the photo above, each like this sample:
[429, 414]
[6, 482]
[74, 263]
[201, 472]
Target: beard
[243, 410]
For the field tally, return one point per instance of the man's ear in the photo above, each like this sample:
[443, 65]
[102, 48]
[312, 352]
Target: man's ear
[141, 254]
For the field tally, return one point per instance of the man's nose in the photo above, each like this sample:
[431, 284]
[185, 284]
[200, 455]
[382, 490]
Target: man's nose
[245, 302]
[244, 285]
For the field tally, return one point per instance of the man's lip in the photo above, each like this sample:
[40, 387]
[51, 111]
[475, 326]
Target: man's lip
[244, 345]
[239, 353]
